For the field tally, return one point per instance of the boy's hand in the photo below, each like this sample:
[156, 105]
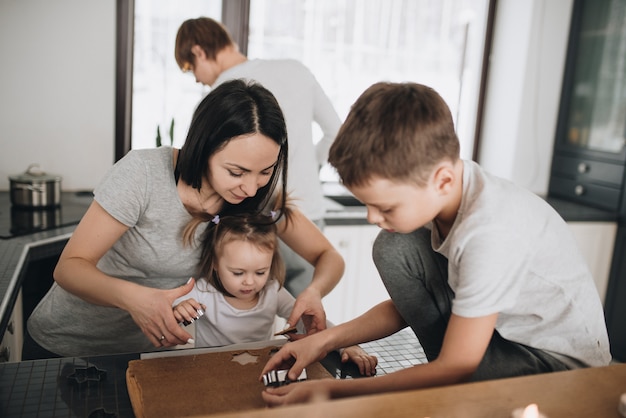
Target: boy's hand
[366, 362]
[300, 392]
[295, 356]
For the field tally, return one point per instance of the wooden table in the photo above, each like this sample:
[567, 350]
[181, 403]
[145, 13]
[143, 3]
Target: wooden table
[588, 393]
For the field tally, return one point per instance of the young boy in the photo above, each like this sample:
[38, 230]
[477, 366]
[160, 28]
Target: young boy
[486, 274]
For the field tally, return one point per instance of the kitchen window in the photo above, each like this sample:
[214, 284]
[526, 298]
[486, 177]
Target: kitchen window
[161, 93]
[347, 44]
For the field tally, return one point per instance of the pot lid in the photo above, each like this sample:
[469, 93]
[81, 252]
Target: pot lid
[34, 173]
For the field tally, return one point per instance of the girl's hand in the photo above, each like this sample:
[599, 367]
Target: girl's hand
[188, 311]
[300, 392]
[366, 362]
[151, 309]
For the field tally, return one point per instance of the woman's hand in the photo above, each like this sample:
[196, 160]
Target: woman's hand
[151, 309]
[366, 362]
[306, 239]
[309, 309]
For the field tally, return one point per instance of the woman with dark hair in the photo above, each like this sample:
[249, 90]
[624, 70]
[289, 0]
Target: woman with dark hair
[141, 240]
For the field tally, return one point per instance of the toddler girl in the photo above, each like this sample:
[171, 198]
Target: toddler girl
[243, 291]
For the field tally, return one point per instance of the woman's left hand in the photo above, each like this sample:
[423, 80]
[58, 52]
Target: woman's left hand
[306, 239]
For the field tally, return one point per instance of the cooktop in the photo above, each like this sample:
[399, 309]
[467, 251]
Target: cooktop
[15, 221]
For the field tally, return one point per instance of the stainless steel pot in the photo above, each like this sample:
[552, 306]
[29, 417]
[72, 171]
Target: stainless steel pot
[34, 188]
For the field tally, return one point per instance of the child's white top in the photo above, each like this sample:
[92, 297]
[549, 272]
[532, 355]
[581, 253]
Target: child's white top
[510, 252]
[223, 324]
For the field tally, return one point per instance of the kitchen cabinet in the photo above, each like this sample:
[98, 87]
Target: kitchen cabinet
[589, 149]
[360, 287]
[596, 240]
[13, 338]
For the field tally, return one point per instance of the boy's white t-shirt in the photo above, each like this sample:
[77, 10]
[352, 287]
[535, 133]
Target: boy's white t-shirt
[223, 324]
[511, 253]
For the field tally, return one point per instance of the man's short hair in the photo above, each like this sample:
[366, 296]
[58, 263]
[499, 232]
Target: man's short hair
[208, 34]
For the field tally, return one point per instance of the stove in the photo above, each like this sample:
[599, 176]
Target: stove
[16, 221]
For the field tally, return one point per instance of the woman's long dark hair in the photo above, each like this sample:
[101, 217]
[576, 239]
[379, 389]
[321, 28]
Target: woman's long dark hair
[233, 109]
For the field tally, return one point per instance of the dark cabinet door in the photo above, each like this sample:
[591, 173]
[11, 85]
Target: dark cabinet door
[590, 151]
[592, 120]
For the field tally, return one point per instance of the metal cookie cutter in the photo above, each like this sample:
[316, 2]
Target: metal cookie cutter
[200, 312]
[279, 378]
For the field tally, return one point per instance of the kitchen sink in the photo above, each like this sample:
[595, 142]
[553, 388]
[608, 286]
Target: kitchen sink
[346, 200]
[340, 194]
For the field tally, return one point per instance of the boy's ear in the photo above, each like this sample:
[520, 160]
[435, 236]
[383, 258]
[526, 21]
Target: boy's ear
[198, 52]
[444, 177]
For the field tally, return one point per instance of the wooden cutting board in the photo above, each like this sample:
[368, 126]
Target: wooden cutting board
[201, 384]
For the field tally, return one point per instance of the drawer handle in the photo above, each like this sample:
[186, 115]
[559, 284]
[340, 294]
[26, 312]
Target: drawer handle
[579, 190]
[583, 168]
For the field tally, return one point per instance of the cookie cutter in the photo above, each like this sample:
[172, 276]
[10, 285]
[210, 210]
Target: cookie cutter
[276, 378]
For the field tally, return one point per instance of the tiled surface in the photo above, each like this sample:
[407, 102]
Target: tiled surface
[398, 351]
[71, 387]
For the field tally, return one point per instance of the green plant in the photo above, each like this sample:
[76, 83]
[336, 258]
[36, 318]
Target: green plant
[171, 134]
[158, 137]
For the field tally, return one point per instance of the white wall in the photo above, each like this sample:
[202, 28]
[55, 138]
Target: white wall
[57, 89]
[523, 93]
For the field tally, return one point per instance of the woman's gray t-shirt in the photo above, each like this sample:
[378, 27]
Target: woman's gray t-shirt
[139, 191]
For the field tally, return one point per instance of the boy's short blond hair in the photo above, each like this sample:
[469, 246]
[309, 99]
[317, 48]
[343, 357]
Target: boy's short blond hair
[395, 131]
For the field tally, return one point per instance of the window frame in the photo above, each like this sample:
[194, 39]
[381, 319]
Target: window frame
[236, 17]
